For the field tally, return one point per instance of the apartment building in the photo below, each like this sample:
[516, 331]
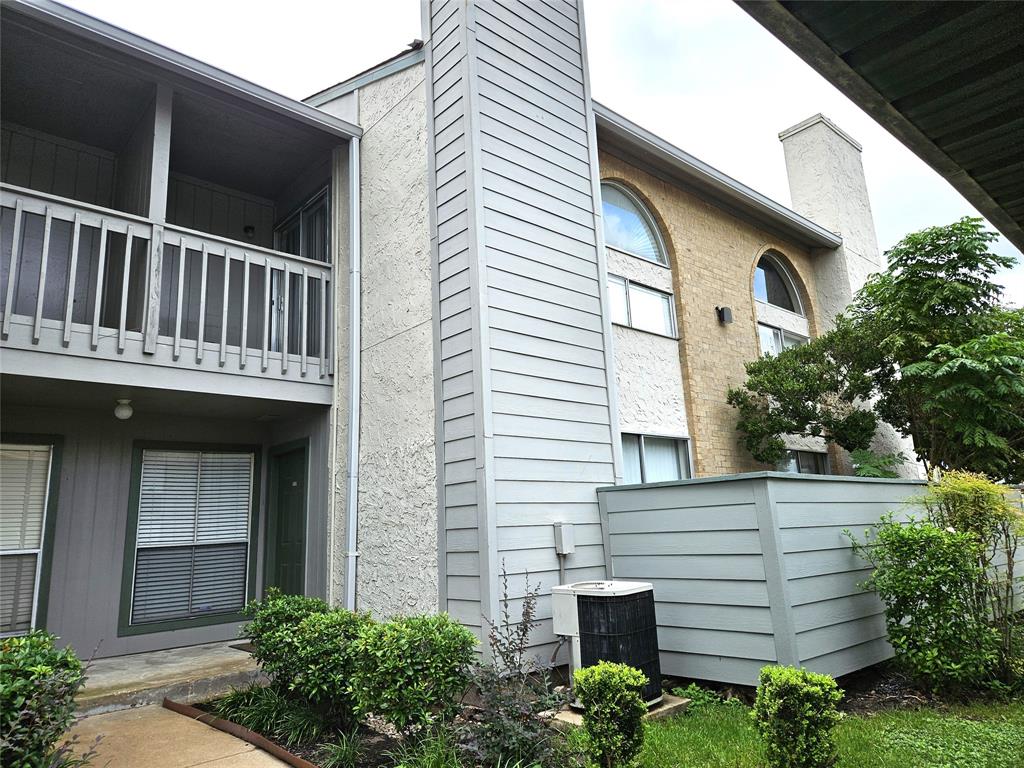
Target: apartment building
[372, 346]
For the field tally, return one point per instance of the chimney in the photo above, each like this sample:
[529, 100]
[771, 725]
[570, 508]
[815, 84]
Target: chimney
[827, 185]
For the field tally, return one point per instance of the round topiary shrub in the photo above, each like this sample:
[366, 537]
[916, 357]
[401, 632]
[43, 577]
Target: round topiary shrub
[613, 711]
[795, 712]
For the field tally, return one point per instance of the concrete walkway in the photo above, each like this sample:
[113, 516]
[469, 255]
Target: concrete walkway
[154, 737]
[195, 673]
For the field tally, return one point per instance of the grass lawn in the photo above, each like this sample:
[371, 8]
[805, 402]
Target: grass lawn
[972, 736]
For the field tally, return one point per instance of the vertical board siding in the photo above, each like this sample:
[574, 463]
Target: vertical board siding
[522, 350]
[723, 604]
[56, 166]
[196, 204]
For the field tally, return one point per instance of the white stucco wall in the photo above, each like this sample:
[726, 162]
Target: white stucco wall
[397, 533]
[647, 369]
[827, 185]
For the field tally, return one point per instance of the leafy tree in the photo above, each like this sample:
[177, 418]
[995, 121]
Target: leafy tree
[926, 343]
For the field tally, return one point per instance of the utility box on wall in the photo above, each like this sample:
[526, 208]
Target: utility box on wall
[610, 621]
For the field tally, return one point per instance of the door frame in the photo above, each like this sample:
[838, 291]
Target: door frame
[270, 528]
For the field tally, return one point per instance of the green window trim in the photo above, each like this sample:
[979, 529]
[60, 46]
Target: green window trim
[124, 626]
[56, 443]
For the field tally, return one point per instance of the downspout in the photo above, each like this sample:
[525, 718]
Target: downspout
[354, 374]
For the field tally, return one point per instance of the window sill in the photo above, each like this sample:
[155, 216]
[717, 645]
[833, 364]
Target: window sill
[177, 624]
[643, 330]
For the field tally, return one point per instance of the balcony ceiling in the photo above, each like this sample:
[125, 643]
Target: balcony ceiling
[945, 78]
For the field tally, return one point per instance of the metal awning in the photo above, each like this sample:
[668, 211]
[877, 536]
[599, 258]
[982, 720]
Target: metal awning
[945, 78]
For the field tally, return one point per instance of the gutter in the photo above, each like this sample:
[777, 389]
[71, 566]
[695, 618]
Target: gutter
[666, 156]
[354, 375]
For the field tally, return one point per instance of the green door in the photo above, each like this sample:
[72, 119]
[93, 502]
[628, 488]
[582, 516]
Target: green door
[286, 522]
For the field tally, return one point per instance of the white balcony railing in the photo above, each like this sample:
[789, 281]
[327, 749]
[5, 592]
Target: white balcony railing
[90, 281]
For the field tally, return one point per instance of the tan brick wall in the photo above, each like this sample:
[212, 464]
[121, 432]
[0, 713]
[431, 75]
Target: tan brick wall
[713, 255]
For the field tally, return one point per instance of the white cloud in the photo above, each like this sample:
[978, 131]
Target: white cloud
[700, 73]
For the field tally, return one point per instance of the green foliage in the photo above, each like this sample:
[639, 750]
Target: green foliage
[410, 670]
[613, 711]
[702, 699]
[795, 713]
[266, 710]
[345, 751]
[867, 463]
[973, 504]
[810, 390]
[274, 621]
[927, 577]
[516, 700]
[256, 707]
[38, 683]
[435, 750]
[927, 343]
[325, 661]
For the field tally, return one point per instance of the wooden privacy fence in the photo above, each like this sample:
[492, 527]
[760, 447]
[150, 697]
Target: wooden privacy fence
[755, 569]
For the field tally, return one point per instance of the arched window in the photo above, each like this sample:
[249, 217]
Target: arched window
[773, 285]
[628, 227]
[781, 322]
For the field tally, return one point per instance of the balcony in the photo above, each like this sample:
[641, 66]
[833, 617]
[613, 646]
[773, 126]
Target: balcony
[88, 281]
[157, 230]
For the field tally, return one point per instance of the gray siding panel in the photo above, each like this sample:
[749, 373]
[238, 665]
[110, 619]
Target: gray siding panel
[727, 602]
[522, 343]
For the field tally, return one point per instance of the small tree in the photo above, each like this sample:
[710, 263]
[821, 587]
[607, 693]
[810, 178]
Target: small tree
[927, 344]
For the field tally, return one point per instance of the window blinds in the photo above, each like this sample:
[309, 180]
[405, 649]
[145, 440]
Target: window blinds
[24, 485]
[192, 541]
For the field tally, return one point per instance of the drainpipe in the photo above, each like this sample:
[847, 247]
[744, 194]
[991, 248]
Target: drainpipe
[355, 343]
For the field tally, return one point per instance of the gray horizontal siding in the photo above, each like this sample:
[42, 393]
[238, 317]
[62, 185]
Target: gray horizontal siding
[527, 418]
[755, 568]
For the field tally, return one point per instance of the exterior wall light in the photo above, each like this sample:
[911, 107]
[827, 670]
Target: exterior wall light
[724, 315]
[123, 410]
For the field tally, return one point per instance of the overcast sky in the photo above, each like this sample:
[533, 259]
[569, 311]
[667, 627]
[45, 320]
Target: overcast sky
[700, 73]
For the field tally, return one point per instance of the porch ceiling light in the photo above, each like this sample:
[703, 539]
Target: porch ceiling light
[123, 410]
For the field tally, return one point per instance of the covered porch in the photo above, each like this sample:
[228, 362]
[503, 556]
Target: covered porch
[125, 535]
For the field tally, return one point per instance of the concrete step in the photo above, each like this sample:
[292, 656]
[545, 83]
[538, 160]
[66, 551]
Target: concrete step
[191, 674]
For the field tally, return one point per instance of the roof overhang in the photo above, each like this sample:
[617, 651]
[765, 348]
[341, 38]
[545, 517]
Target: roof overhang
[945, 78]
[653, 154]
[175, 64]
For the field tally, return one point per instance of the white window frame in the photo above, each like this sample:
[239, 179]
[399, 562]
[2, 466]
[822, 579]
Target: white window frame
[682, 454]
[253, 480]
[648, 217]
[38, 552]
[629, 285]
[781, 335]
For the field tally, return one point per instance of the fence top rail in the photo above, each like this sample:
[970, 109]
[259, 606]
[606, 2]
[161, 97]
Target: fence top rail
[742, 476]
[11, 192]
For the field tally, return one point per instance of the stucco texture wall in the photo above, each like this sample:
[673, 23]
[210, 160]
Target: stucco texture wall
[714, 254]
[397, 566]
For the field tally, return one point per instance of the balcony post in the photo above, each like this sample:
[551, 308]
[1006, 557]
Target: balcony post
[158, 182]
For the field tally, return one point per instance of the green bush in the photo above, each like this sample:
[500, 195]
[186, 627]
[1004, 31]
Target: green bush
[410, 670]
[795, 712]
[38, 683]
[324, 646]
[266, 710]
[274, 621]
[613, 711]
[928, 579]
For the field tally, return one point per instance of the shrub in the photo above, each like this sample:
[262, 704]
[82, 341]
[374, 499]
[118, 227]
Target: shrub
[325, 661]
[344, 752]
[409, 671]
[971, 503]
[795, 712]
[516, 701]
[927, 577]
[435, 750]
[613, 711]
[275, 619]
[38, 683]
[266, 710]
